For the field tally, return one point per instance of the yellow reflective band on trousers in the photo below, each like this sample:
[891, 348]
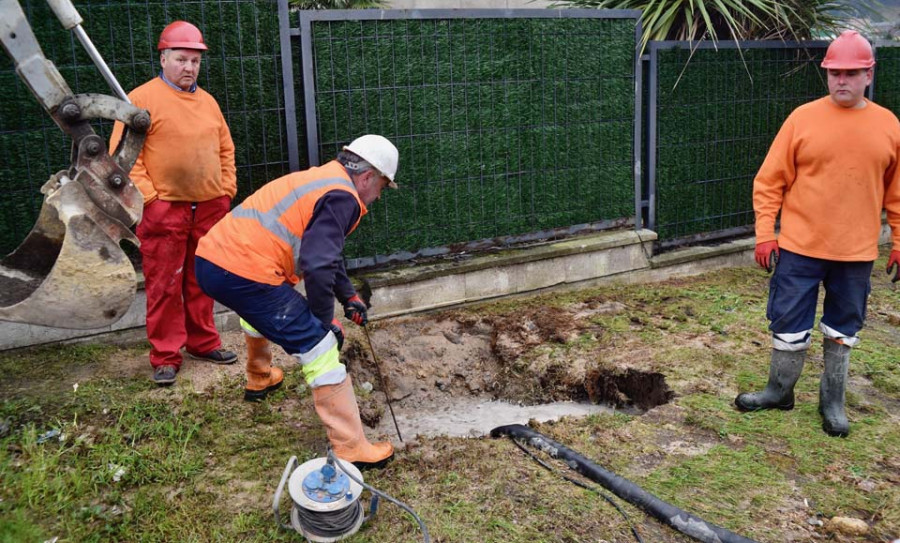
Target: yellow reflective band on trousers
[325, 363]
[249, 330]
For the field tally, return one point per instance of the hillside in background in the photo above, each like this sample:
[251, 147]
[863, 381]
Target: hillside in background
[884, 22]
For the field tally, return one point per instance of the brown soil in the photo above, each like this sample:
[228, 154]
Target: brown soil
[509, 358]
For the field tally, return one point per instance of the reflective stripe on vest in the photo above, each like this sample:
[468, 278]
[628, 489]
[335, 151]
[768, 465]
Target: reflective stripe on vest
[271, 220]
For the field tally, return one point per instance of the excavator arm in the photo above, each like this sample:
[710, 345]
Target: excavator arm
[71, 271]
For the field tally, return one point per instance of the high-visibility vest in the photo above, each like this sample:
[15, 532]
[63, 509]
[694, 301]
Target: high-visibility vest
[260, 239]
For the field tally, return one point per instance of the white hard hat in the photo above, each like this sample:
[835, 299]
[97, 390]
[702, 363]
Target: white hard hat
[379, 152]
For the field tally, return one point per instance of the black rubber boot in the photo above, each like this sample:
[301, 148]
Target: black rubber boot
[832, 389]
[784, 370]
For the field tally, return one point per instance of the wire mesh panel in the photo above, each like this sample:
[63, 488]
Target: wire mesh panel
[713, 115]
[241, 69]
[887, 76]
[505, 126]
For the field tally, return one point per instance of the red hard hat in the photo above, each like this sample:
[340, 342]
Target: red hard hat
[181, 35]
[849, 51]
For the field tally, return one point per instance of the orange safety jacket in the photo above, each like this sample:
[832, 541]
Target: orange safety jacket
[830, 171]
[260, 239]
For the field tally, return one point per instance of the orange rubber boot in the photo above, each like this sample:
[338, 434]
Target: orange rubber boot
[262, 378]
[337, 407]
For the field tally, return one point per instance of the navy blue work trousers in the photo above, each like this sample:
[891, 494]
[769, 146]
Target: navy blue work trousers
[279, 313]
[794, 293]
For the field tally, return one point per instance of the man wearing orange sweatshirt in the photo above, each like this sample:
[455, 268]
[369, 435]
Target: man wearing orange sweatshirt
[831, 170]
[186, 173]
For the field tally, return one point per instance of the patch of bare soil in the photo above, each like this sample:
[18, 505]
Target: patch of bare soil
[197, 375]
[525, 358]
[194, 375]
[455, 360]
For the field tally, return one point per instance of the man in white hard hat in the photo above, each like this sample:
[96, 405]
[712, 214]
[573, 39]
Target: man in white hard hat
[252, 259]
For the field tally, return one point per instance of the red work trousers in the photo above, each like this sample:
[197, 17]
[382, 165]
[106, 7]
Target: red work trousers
[179, 314]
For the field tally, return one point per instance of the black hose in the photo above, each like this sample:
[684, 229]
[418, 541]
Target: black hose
[678, 519]
[580, 484]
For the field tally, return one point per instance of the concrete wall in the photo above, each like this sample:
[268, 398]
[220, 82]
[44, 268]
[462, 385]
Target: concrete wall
[570, 262]
[618, 256]
[130, 328]
[621, 255]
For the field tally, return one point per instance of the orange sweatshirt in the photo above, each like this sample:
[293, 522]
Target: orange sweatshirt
[188, 155]
[831, 171]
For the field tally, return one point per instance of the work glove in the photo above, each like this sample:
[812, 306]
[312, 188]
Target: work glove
[766, 255]
[338, 332]
[893, 266]
[355, 310]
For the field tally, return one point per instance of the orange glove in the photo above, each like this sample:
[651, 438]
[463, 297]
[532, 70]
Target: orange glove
[894, 262]
[766, 255]
[338, 332]
[355, 310]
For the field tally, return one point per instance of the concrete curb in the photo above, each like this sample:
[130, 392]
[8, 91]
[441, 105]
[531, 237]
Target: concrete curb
[624, 255]
[595, 259]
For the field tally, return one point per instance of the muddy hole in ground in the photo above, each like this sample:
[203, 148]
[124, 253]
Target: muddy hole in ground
[459, 374]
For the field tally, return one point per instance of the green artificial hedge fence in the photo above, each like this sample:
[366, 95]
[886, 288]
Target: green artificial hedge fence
[887, 76]
[505, 126]
[716, 118]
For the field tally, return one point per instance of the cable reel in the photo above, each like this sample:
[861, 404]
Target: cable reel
[325, 499]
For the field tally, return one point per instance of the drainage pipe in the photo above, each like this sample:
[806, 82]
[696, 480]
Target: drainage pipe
[678, 519]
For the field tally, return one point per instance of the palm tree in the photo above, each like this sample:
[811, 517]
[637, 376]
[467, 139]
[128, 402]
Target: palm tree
[736, 19]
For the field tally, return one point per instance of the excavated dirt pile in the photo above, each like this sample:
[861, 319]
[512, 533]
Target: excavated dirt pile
[444, 363]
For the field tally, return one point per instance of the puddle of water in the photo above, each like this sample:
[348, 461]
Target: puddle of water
[475, 417]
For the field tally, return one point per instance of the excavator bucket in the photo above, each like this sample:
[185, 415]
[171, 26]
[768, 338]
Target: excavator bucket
[69, 272]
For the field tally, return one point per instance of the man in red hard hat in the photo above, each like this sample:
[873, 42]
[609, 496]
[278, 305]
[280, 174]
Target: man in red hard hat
[186, 173]
[832, 169]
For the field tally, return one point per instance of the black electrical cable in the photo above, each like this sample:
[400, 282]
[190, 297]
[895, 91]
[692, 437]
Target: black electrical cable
[329, 524]
[576, 482]
[678, 519]
[425, 537]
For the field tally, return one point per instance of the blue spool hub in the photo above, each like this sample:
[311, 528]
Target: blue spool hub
[326, 485]
[317, 486]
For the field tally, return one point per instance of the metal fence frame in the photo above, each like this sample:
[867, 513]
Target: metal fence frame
[304, 32]
[285, 33]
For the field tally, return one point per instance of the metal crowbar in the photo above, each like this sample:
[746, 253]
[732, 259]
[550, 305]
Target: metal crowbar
[365, 293]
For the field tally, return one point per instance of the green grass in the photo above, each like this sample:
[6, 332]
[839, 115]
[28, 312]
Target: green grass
[136, 463]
